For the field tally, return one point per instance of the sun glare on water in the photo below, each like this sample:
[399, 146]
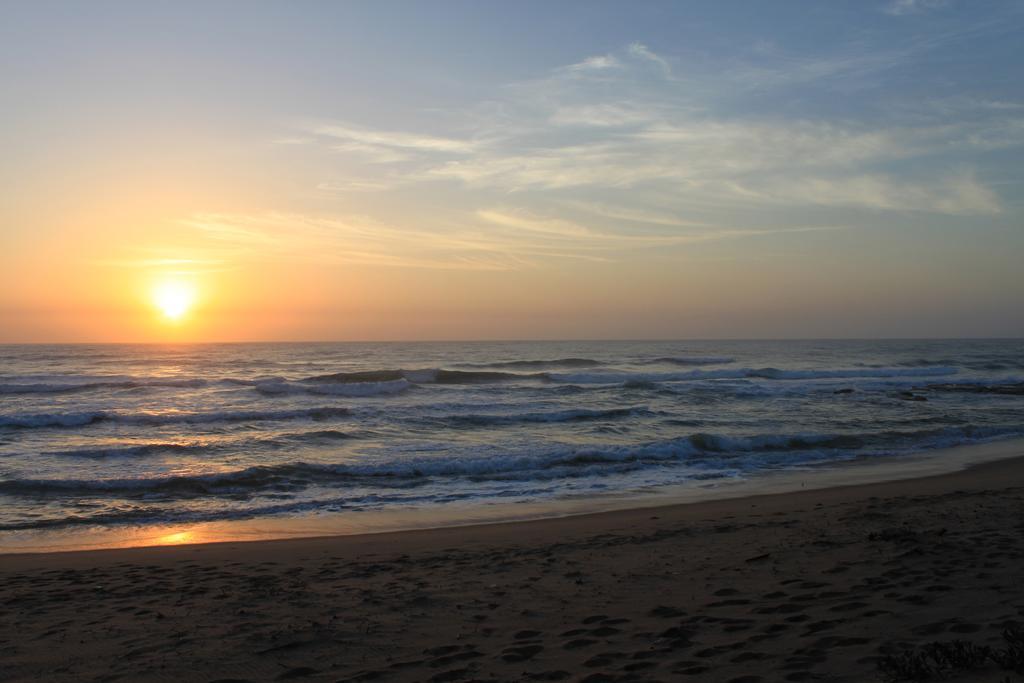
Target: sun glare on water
[174, 298]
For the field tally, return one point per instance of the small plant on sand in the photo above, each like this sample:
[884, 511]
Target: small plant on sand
[934, 659]
[906, 666]
[960, 655]
[942, 659]
[1011, 658]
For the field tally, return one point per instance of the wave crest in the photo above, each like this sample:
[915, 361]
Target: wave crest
[572, 415]
[277, 387]
[709, 452]
[38, 421]
[15, 389]
[694, 360]
[750, 373]
[535, 364]
[427, 376]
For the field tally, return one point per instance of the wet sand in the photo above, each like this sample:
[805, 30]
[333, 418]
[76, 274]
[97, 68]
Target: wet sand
[811, 585]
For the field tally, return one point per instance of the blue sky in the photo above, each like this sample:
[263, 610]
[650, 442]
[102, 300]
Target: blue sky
[587, 169]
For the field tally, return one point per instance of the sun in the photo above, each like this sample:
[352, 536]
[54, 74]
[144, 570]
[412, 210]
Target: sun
[174, 298]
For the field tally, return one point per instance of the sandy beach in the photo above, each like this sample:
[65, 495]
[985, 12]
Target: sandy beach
[811, 585]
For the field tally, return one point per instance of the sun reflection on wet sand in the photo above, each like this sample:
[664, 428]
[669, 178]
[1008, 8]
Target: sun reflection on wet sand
[178, 538]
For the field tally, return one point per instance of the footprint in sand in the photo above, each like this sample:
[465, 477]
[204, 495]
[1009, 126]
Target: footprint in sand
[605, 631]
[692, 670]
[603, 659]
[578, 643]
[522, 653]
[447, 660]
[557, 675]
[453, 675]
[526, 635]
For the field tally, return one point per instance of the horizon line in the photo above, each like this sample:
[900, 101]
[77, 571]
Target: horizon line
[506, 341]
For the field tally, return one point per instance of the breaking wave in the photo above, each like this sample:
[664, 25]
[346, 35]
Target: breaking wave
[411, 470]
[576, 415]
[751, 373]
[536, 364]
[278, 387]
[428, 376]
[693, 360]
[134, 451]
[95, 417]
[75, 387]
[164, 448]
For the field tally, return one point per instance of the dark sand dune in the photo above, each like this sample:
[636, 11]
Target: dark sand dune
[817, 585]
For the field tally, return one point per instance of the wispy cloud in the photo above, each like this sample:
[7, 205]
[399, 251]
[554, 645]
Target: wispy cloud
[163, 263]
[380, 146]
[631, 214]
[349, 185]
[630, 152]
[359, 240]
[641, 51]
[900, 8]
[394, 139]
[499, 238]
[351, 240]
[626, 120]
[201, 260]
[959, 194]
[583, 237]
[596, 63]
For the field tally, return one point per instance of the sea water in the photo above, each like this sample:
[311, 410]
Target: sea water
[107, 436]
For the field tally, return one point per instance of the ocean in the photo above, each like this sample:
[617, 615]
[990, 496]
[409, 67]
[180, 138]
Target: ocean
[132, 436]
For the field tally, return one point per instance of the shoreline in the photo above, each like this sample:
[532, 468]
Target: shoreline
[827, 476]
[774, 587]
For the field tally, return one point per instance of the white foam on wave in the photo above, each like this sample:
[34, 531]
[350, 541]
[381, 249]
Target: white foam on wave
[93, 417]
[277, 387]
[747, 373]
[568, 415]
[694, 360]
[87, 384]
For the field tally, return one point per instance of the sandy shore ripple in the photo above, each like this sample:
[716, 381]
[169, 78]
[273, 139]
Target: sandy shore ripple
[816, 585]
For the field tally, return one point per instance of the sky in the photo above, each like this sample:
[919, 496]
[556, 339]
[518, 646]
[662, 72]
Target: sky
[493, 170]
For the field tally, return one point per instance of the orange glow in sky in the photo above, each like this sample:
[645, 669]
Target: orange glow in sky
[646, 179]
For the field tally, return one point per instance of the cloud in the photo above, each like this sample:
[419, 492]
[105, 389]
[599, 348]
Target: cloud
[383, 146]
[959, 194]
[598, 63]
[357, 240]
[641, 51]
[631, 214]
[900, 8]
[601, 115]
[345, 186]
[494, 239]
[295, 140]
[181, 265]
[684, 153]
[400, 140]
[586, 238]
[579, 133]
[629, 121]
[487, 240]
